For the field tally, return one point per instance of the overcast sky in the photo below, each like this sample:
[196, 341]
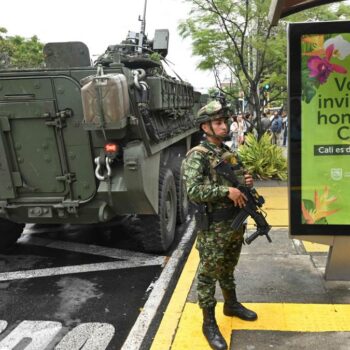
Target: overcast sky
[101, 23]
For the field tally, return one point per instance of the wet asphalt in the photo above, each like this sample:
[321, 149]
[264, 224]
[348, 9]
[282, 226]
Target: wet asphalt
[64, 285]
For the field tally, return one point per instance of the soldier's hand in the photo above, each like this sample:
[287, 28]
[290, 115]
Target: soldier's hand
[248, 180]
[237, 197]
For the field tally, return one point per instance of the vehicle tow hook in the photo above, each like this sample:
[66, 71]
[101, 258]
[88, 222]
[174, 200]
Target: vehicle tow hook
[103, 162]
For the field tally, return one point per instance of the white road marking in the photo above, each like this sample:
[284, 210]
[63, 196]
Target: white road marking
[37, 333]
[84, 248]
[87, 336]
[129, 259]
[64, 270]
[139, 330]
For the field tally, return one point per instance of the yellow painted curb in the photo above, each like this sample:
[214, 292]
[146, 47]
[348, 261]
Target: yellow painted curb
[272, 316]
[315, 247]
[167, 330]
[171, 318]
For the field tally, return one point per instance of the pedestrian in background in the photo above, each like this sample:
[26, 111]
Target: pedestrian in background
[276, 129]
[234, 133]
[242, 129]
[217, 203]
[265, 123]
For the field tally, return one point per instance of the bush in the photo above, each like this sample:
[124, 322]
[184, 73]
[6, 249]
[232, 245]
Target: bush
[262, 159]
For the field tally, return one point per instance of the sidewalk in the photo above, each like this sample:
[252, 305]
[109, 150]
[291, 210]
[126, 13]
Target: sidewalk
[283, 282]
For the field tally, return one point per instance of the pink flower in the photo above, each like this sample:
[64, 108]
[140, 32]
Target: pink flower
[321, 68]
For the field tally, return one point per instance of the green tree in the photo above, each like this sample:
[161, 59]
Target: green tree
[230, 36]
[19, 52]
[235, 36]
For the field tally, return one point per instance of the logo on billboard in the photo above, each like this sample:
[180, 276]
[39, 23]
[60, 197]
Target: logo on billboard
[336, 174]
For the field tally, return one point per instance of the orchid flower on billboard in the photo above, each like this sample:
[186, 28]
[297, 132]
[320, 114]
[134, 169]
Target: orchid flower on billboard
[321, 68]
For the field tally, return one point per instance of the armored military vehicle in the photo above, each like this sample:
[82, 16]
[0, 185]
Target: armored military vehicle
[87, 143]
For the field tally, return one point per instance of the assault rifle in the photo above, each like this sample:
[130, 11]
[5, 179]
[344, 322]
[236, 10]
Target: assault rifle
[253, 205]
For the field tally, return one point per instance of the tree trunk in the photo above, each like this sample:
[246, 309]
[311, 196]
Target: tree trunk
[256, 107]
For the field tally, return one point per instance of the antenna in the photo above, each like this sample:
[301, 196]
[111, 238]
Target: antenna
[143, 28]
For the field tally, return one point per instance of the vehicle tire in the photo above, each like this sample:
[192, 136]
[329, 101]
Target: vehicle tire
[182, 200]
[9, 234]
[158, 231]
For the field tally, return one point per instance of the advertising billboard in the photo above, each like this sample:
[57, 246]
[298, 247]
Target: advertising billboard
[319, 125]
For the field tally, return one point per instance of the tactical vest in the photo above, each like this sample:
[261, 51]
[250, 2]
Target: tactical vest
[212, 162]
[208, 212]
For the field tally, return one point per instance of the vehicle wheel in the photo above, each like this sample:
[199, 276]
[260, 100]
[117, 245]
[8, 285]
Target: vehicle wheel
[158, 231]
[182, 200]
[9, 233]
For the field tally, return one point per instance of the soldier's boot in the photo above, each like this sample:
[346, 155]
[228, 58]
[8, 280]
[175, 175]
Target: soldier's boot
[211, 330]
[233, 308]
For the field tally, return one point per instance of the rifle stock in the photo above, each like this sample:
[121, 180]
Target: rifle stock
[252, 207]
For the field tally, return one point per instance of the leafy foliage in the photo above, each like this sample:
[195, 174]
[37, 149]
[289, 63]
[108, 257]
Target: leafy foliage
[263, 159]
[233, 37]
[155, 56]
[19, 52]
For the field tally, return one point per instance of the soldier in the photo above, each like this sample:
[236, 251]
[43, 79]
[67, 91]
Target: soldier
[217, 203]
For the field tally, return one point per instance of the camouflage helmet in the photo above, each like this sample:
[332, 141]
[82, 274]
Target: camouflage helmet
[211, 111]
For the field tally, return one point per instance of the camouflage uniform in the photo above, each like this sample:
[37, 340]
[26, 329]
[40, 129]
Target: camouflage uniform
[219, 247]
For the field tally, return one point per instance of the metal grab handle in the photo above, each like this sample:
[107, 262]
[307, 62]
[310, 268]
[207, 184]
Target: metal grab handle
[99, 70]
[139, 74]
[144, 85]
[136, 80]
